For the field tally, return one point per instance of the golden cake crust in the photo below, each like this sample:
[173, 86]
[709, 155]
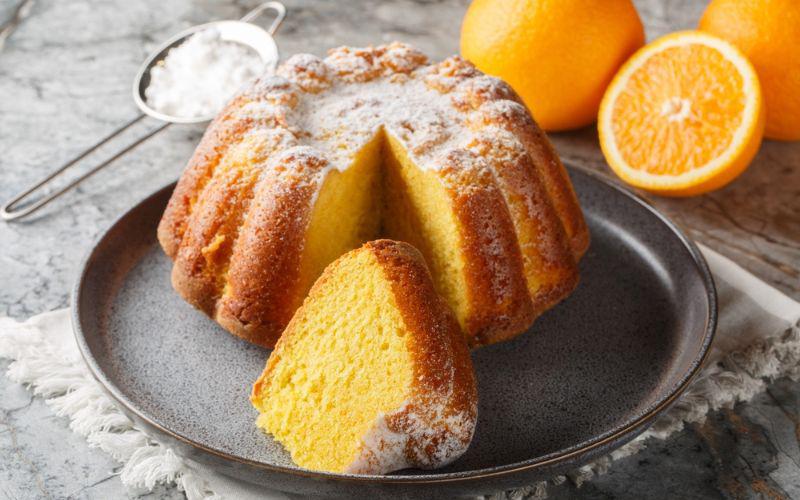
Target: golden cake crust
[236, 223]
[265, 263]
[515, 118]
[496, 287]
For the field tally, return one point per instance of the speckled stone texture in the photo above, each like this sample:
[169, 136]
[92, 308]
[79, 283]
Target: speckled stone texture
[65, 79]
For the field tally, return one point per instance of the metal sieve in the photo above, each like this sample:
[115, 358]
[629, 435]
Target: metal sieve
[241, 31]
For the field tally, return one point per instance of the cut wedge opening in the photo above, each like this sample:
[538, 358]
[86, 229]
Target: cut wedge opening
[385, 194]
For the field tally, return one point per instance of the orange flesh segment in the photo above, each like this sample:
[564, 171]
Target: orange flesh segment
[694, 104]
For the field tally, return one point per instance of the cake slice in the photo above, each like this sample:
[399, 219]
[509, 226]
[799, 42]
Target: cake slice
[372, 374]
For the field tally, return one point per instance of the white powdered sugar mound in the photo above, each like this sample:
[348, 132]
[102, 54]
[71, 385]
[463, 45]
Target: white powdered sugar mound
[199, 76]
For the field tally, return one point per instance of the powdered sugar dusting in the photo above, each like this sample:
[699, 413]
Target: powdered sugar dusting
[307, 72]
[474, 92]
[434, 435]
[337, 105]
[382, 450]
[341, 121]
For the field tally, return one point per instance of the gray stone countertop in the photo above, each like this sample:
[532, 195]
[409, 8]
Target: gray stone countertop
[65, 78]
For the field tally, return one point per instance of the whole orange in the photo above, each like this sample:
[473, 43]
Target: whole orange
[768, 32]
[559, 55]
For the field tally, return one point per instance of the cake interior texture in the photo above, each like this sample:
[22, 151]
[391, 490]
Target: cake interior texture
[327, 395]
[384, 194]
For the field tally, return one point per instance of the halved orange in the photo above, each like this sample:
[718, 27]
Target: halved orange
[683, 116]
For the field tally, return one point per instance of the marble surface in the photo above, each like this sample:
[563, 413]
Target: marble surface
[65, 78]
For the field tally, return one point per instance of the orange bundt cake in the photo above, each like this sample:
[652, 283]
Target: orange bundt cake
[372, 374]
[309, 163]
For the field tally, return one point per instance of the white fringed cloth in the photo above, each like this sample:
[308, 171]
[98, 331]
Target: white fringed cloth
[758, 340]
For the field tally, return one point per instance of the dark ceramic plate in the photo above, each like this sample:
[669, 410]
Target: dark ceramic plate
[589, 376]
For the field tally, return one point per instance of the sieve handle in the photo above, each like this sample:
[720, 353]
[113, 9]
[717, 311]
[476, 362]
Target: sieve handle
[11, 210]
[277, 7]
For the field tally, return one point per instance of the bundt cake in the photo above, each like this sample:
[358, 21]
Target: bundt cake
[307, 164]
[373, 373]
